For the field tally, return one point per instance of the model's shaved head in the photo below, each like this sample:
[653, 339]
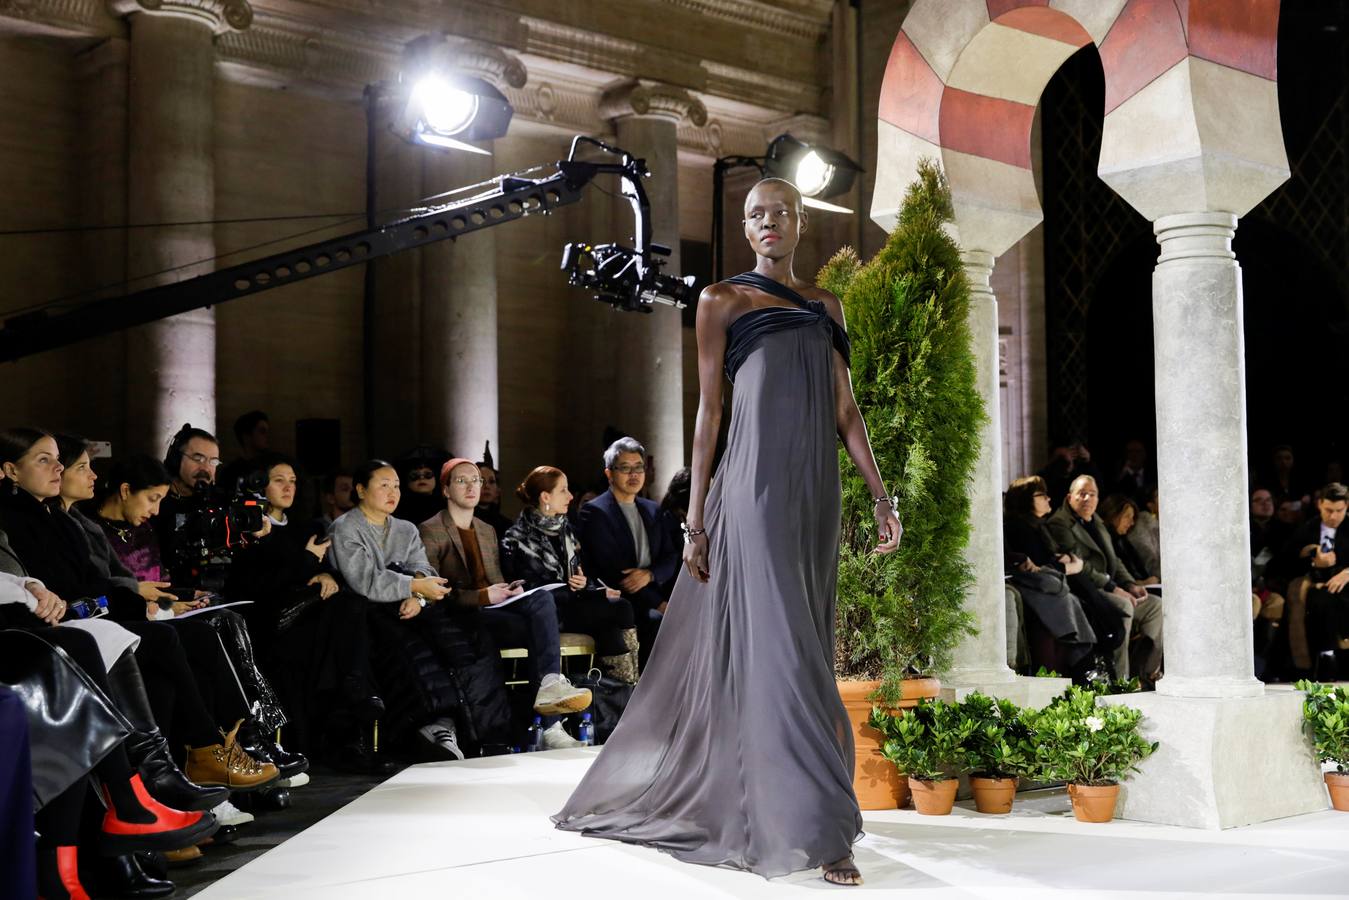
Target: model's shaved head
[778, 186]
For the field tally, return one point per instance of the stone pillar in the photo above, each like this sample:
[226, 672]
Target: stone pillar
[649, 347]
[170, 364]
[981, 659]
[1209, 702]
[459, 383]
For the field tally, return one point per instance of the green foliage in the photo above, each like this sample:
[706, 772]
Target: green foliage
[914, 377]
[999, 744]
[1105, 688]
[1042, 672]
[1325, 714]
[925, 742]
[1082, 743]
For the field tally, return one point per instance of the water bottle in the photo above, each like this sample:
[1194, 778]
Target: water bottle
[536, 734]
[586, 733]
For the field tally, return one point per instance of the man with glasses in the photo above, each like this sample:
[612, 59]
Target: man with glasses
[463, 548]
[1077, 530]
[623, 543]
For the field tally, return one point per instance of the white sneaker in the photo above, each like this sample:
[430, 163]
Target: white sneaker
[229, 814]
[556, 738]
[557, 696]
[441, 734]
[294, 781]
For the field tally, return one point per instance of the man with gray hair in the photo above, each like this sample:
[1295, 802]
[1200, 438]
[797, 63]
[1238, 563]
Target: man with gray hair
[623, 543]
[1076, 529]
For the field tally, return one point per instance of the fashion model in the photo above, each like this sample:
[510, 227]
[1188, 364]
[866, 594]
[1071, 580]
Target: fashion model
[735, 748]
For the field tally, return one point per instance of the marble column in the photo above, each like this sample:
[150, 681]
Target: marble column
[1209, 702]
[648, 348]
[981, 659]
[459, 382]
[170, 364]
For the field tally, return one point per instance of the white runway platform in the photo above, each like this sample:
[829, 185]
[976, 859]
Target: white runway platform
[480, 829]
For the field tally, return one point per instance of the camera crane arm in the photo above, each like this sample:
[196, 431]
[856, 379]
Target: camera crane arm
[631, 277]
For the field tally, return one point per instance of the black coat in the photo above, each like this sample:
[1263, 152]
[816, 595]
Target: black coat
[607, 547]
[1023, 538]
[1291, 565]
[55, 549]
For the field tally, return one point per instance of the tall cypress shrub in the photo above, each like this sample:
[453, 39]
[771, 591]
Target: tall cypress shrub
[914, 376]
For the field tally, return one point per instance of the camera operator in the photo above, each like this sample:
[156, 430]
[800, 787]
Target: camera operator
[198, 525]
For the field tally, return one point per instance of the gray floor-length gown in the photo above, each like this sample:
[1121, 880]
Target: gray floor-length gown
[735, 749]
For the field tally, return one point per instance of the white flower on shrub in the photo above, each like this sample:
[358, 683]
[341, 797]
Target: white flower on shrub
[1095, 723]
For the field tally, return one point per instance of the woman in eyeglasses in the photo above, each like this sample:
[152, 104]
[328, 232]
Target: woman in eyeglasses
[419, 473]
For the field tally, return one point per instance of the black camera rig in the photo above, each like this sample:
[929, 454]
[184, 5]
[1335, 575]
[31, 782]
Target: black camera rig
[628, 278]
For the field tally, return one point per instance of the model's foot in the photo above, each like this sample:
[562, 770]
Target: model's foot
[842, 871]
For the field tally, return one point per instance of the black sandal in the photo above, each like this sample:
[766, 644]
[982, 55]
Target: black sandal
[844, 872]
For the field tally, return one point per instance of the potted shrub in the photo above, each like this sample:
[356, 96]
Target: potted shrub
[926, 743]
[1091, 747]
[900, 616]
[998, 750]
[1325, 713]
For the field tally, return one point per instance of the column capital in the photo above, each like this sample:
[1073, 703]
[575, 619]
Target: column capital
[978, 271]
[654, 100]
[220, 15]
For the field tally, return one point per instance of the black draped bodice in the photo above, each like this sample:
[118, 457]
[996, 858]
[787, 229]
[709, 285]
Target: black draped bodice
[746, 331]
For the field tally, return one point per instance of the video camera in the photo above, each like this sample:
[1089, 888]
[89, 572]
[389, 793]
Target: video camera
[210, 526]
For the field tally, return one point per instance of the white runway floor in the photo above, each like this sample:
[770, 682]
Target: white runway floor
[480, 829]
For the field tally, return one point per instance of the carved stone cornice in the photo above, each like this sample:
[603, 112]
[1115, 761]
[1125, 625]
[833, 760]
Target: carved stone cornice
[86, 17]
[651, 99]
[812, 24]
[222, 16]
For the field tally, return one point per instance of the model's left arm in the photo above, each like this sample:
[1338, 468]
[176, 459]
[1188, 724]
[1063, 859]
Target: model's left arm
[852, 430]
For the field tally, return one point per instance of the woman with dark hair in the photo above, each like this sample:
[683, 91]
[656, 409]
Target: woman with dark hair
[310, 634]
[419, 472]
[540, 549]
[1120, 514]
[381, 558]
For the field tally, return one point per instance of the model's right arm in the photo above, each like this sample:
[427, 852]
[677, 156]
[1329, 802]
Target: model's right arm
[715, 310]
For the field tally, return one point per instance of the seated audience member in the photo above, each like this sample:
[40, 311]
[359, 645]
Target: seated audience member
[1268, 536]
[540, 549]
[382, 558]
[309, 632]
[1284, 479]
[1316, 559]
[334, 498]
[1077, 530]
[1066, 463]
[624, 544]
[674, 509]
[1146, 535]
[1120, 514]
[464, 550]
[489, 502]
[253, 431]
[1136, 477]
[1066, 629]
[212, 681]
[419, 492]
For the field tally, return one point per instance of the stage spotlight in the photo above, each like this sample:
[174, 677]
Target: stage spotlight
[818, 172]
[444, 110]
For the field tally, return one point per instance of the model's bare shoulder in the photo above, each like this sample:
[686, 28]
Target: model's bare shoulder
[722, 301]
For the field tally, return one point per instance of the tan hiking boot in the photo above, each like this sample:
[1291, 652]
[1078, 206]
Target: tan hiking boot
[228, 765]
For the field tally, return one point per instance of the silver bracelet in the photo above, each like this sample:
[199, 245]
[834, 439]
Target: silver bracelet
[876, 501]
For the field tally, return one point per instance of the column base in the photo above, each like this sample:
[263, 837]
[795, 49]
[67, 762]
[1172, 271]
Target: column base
[1003, 684]
[1222, 762]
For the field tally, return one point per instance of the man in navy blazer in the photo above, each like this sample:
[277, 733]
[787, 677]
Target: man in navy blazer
[623, 543]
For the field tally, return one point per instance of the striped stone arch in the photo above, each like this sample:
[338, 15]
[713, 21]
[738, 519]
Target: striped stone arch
[1191, 105]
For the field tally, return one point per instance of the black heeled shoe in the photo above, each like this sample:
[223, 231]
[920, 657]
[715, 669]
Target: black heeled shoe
[122, 876]
[362, 702]
[149, 753]
[261, 746]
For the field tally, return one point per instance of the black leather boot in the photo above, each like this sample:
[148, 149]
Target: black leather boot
[122, 876]
[149, 752]
[58, 874]
[262, 746]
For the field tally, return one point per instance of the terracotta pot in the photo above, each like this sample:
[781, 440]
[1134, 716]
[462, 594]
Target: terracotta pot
[1093, 802]
[1339, 790]
[934, 798]
[993, 795]
[876, 781]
